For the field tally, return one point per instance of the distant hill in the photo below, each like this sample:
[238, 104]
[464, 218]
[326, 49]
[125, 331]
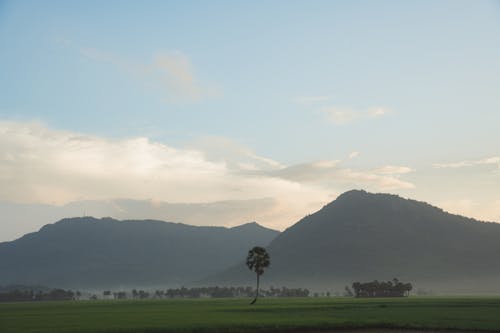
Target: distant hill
[106, 253]
[363, 236]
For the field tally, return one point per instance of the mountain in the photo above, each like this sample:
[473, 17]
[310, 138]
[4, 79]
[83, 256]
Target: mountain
[363, 236]
[105, 253]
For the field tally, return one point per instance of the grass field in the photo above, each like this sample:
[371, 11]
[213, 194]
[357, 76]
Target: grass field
[235, 315]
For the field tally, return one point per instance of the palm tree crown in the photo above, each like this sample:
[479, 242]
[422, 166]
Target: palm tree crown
[258, 259]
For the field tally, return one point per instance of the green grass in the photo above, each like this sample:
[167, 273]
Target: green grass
[235, 315]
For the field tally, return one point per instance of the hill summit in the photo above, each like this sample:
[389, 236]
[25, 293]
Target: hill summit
[363, 236]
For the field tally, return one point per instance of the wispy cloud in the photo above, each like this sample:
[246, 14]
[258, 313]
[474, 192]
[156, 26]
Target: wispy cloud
[486, 211]
[377, 112]
[171, 73]
[393, 170]
[175, 73]
[312, 99]
[234, 156]
[353, 155]
[306, 172]
[331, 173]
[374, 180]
[342, 115]
[494, 160]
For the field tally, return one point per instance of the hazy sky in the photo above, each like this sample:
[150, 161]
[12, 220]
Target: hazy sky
[223, 112]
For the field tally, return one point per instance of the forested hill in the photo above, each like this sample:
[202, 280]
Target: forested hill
[98, 253]
[363, 236]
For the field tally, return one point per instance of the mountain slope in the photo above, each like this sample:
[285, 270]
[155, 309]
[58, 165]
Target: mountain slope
[94, 253]
[364, 236]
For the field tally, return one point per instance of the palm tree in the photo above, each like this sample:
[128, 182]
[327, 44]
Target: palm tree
[257, 260]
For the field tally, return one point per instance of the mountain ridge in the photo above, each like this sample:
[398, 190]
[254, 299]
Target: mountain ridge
[91, 252]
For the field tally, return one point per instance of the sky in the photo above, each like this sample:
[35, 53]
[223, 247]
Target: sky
[225, 112]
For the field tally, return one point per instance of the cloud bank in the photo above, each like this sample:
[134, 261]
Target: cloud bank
[39, 165]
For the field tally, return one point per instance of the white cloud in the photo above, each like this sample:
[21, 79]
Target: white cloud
[377, 112]
[462, 206]
[174, 71]
[485, 211]
[353, 155]
[495, 160]
[373, 180]
[233, 155]
[342, 116]
[306, 172]
[39, 165]
[330, 173]
[312, 99]
[171, 73]
[393, 170]
[43, 165]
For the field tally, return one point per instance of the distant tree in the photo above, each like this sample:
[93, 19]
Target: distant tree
[393, 288]
[159, 293]
[143, 294]
[407, 288]
[348, 291]
[258, 260]
[120, 295]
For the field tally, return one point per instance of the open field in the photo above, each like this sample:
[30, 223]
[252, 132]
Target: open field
[235, 315]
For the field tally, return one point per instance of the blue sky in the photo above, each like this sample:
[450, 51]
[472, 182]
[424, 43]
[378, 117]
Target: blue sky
[289, 101]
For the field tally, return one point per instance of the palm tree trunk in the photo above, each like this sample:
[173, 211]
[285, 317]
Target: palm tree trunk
[257, 291]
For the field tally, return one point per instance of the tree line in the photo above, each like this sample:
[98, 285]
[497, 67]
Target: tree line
[393, 288]
[25, 295]
[210, 292]
[18, 295]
